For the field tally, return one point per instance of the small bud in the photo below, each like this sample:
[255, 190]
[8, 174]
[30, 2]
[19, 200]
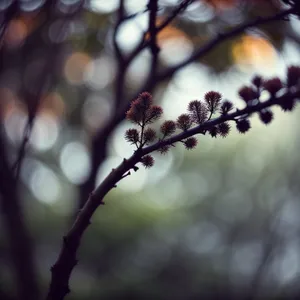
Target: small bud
[243, 125]
[149, 135]
[153, 114]
[247, 94]
[144, 100]
[293, 75]
[266, 116]
[213, 131]
[223, 129]
[226, 107]
[132, 136]
[213, 100]
[164, 149]
[198, 111]
[147, 161]
[168, 128]
[257, 81]
[184, 122]
[287, 103]
[273, 85]
[190, 143]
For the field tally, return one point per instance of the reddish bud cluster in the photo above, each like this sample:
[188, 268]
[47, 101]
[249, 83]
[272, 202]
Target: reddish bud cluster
[247, 93]
[213, 131]
[257, 81]
[273, 85]
[293, 76]
[168, 128]
[149, 135]
[198, 111]
[226, 107]
[142, 111]
[190, 143]
[184, 122]
[213, 100]
[223, 129]
[243, 125]
[164, 149]
[132, 135]
[287, 103]
[147, 161]
[266, 116]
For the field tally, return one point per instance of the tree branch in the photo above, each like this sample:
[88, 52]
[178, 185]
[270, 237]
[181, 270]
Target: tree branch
[19, 240]
[62, 269]
[100, 140]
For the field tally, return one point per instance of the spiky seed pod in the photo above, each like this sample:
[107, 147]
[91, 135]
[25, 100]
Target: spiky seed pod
[213, 100]
[139, 107]
[266, 116]
[287, 103]
[144, 100]
[257, 81]
[132, 135]
[164, 149]
[247, 94]
[153, 114]
[134, 115]
[147, 161]
[184, 122]
[243, 125]
[190, 143]
[213, 131]
[293, 76]
[149, 135]
[273, 85]
[226, 107]
[168, 128]
[223, 129]
[198, 111]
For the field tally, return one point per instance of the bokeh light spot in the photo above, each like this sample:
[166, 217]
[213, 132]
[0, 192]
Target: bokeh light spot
[16, 33]
[75, 66]
[75, 162]
[96, 112]
[44, 184]
[253, 51]
[44, 133]
[104, 5]
[99, 73]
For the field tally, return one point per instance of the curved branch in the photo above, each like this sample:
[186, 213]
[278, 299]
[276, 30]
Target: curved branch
[62, 269]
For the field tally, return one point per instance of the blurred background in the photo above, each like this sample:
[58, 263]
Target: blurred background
[221, 221]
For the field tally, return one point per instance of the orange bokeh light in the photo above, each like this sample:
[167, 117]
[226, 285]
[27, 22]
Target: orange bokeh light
[221, 4]
[53, 104]
[254, 51]
[9, 102]
[15, 33]
[75, 66]
[170, 32]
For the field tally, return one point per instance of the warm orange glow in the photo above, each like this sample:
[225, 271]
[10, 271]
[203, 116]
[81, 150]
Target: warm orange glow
[254, 51]
[52, 104]
[170, 32]
[221, 4]
[16, 33]
[75, 66]
[9, 102]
